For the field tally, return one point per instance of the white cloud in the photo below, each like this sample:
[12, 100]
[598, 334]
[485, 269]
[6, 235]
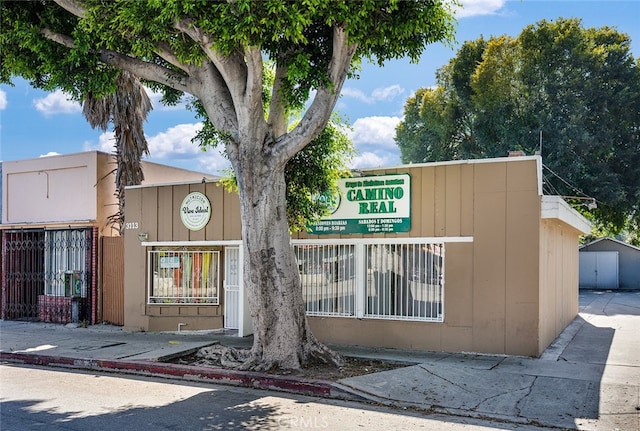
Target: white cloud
[175, 141]
[213, 161]
[387, 93]
[172, 147]
[106, 143]
[375, 131]
[354, 93]
[3, 100]
[377, 95]
[368, 160]
[49, 154]
[374, 140]
[479, 7]
[57, 103]
[175, 146]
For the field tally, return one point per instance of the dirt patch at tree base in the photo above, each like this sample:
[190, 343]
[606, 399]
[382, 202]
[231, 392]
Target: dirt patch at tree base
[353, 367]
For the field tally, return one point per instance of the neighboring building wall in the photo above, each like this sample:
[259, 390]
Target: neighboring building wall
[50, 189]
[155, 211]
[155, 173]
[74, 191]
[628, 260]
[74, 188]
[105, 194]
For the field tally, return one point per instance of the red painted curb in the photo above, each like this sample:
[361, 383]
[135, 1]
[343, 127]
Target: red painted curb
[246, 379]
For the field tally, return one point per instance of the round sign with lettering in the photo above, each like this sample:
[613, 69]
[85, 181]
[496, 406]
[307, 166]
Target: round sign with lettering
[330, 201]
[195, 211]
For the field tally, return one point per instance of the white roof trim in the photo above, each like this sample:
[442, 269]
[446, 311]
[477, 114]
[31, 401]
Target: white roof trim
[554, 207]
[538, 160]
[611, 239]
[212, 243]
[453, 162]
[373, 240]
[205, 179]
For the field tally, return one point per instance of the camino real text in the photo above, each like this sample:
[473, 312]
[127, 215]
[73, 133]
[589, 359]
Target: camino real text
[375, 196]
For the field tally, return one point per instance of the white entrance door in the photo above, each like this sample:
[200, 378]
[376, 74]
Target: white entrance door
[231, 287]
[599, 269]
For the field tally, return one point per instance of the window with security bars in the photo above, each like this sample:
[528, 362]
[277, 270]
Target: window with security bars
[328, 278]
[185, 276]
[377, 280]
[404, 281]
[65, 257]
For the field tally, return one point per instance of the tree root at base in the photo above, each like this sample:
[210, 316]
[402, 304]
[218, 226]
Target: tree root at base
[247, 360]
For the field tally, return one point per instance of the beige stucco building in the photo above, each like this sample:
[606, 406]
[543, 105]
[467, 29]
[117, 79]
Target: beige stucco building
[456, 256]
[55, 211]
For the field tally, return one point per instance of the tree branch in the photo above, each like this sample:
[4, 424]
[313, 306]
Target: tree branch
[166, 53]
[62, 39]
[146, 70]
[223, 113]
[319, 112]
[232, 68]
[209, 87]
[277, 115]
[72, 7]
[142, 69]
[252, 106]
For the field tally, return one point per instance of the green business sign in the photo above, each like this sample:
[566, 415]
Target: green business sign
[374, 204]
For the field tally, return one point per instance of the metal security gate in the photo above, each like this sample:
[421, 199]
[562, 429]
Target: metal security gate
[232, 287]
[48, 275]
[23, 273]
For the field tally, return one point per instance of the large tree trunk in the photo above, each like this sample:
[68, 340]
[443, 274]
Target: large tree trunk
[282, 337]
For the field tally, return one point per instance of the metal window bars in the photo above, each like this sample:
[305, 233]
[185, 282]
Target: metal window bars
[401, 281]
[328, 278]
[405, 281]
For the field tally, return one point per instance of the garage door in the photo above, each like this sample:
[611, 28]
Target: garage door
[599, 269]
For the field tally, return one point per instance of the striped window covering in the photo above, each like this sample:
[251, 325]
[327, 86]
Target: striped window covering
[186, 275]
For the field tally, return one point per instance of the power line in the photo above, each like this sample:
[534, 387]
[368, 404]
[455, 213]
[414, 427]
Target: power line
[549, 187]
[586, 197]
[574, 188]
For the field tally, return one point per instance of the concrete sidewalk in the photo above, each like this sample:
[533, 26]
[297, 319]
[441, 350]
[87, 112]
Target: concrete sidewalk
[588, 379]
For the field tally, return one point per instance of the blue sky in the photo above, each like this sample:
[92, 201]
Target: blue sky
[35, 123]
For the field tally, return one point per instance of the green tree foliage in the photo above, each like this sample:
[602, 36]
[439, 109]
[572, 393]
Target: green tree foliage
[571, 92]
[424, 132]
[310, 173]
[326, 154]
[215, 51]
